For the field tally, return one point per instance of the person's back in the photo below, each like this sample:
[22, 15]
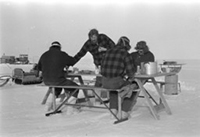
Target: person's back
[52, 64]
[117, 63]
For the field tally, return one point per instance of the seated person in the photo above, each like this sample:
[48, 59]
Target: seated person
[117, 63]
[52, 64]
[142, 54]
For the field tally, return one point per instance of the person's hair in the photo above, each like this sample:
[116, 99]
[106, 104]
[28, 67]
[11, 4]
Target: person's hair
[124, 41]
[141, 45]
[93, 32]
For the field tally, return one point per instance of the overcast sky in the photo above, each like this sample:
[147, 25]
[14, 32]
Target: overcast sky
[171, 30]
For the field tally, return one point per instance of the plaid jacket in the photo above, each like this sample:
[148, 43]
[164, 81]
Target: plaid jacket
[103, 41]
[117, 62]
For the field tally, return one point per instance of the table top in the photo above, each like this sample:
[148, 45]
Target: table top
[136, 76]
[154, 75]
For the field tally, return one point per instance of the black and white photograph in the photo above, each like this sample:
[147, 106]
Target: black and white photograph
[106, 68]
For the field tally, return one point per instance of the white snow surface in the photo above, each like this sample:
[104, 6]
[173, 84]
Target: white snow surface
[22, 115]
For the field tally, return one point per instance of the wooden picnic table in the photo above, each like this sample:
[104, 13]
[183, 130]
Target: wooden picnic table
[139, 78]
[162, 105]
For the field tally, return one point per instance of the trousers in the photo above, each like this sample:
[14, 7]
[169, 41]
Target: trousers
[117, 83]
[66, 82]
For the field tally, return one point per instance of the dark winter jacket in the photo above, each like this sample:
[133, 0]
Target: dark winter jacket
[147, 57]
[52, 64]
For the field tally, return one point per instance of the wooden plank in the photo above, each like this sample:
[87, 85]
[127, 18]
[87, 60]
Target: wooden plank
[53, 98]
[160, 107]
[85, 91]
[87, 87]
[46, 96]
[153, 75]
[153, 110]
[167, 109]
[119, 105]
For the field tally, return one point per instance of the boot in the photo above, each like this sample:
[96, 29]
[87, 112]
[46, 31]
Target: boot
[125, 115]
[70, 109]
[62, 96]
[72, 100]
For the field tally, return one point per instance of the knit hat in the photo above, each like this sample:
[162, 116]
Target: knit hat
[55, 43]
[141, 45]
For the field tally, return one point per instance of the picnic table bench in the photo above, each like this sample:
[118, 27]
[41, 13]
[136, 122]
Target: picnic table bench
[121, 94]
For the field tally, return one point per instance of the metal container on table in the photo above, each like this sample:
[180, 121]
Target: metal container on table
[149, 68]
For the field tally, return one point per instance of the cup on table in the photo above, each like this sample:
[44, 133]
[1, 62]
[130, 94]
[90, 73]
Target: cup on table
[142, 68]
[138, 70]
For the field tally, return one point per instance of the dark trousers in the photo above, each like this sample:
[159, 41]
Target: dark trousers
[64, 83]
[117, 83]
[127, 104]
[98, 83]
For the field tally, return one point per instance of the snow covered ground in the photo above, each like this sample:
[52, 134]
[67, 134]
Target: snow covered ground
[22, 115]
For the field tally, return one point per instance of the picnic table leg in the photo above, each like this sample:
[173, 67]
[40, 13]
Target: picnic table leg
[56, 110]
[53, 98]
[153, 110]
[85, 91]
[151, 97]
[46, 96]
[118, 119]
[161, 88]
[119, 106]
[163, 101]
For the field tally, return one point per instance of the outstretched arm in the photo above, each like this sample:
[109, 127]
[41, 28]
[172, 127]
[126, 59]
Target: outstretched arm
[81, 53]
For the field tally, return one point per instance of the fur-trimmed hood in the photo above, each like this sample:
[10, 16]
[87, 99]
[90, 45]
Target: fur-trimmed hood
[141, 45]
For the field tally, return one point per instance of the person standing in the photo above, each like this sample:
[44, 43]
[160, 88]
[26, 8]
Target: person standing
[116, 64]
[52, 64]
[96, 45]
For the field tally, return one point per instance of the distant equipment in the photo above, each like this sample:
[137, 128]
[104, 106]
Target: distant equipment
[170, 66]
[8, 59]
[22, 59]
[171, 81]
